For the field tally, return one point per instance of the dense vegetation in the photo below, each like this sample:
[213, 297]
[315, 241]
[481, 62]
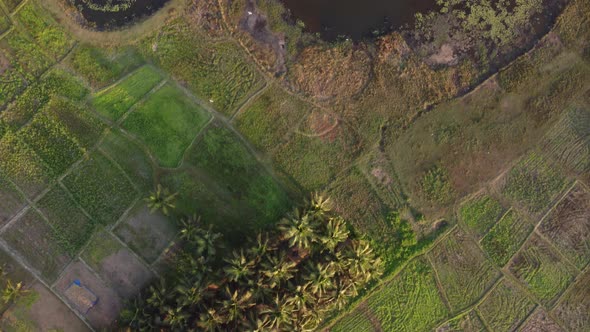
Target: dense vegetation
[286, 279]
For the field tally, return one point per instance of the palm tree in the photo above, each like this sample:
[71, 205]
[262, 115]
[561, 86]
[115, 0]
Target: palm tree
[261, 248]
[177, 318]
[236, 304]
[336, 233]
[320, 203]
[12, 292]
[189, 228]
[299, 231]
[320, 279]
[161, 199]
[277, 270]
[364, 264]
[210, 320]
[240, 267]
[302, 300]
[280, 315]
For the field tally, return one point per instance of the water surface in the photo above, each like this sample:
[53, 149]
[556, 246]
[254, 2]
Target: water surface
[111, 20]
[355, 18]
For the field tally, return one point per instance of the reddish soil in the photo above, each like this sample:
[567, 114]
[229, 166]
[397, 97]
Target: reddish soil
[568, 226]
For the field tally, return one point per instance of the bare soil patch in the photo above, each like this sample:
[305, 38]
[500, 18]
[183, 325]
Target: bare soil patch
[41, 310]
[125, 273]
[540, 322]
[575, 305]
[109, 304]
[147, 234]
[568, 226]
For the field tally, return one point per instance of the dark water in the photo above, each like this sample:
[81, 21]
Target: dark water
[355, 18]
[112, 20]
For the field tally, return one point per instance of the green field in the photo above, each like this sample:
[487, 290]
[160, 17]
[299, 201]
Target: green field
[115, 101]
[539, 267]
[167, 122]
[356, 321]
[409, 302]
[101, 188]
[480, 213]
[507, 235]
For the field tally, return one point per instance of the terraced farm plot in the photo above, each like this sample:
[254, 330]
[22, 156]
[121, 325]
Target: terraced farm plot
[101, 188]
[71, 226]
[533, 183]
[117, 265]
[468, 322]
[568, 226]
[52, 142]
[270, 118]
[148, 234]
[539, 321]
[480, 213]
[54, 83]
[14, 80]
[82, 125]
[507, 235]
[114, 101]
[541, 269]
[11, 4]
[167, 122]
[22, 165]
[5, 23]
[410, 302]
[11, 201]
[568, 141]
[216, 72]
[24, 54]
[356, 321]
[131, 157]
[505, 307]
[12, 271]
[46, 32]
[36, 242]
[100, 68]
[573, 308]
[463, 270]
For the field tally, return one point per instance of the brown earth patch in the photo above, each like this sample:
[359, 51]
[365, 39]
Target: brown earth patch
[327, 73]
[127, 274]
[573, 309]
[102, 315]
[4, 63]
[206, 15]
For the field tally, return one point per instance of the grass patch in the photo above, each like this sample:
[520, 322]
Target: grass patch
[217, 72]
[465, 322]
[5, 23]
[271, 117]
[463, 270]
[540, 268]
[100, 68]
[410, 302]
[479, 214]
[131, 157]
[46, 32]
[225, 159]
[11, 4]
[506, 237]
[52, 142]
[533, 182]
[436, 186]
[35, 240]
[101, 188]
[168, 121]
[102, 246]
[505, 307]
[114, 101]
[72, 227]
